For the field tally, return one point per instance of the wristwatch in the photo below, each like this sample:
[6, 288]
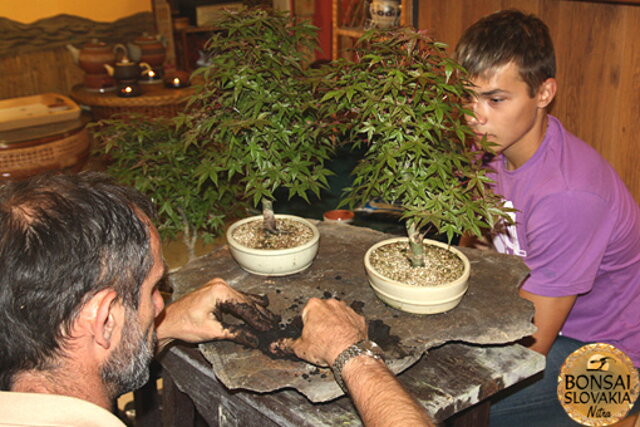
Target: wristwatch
[361, 348]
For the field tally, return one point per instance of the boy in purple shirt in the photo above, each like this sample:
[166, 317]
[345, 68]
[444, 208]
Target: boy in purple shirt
[576, 224]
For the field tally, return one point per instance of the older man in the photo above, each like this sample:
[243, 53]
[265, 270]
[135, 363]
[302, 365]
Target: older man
[81, 315]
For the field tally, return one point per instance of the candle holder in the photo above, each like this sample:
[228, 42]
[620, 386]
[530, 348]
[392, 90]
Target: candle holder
[151, 76]
[128, 89]
[177, 80]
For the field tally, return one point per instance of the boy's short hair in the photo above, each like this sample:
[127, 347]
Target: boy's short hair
[509, 36]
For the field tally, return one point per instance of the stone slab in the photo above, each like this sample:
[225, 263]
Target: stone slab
[491, 312]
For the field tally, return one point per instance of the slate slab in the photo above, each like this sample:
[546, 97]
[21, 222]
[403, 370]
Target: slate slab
[491, 312]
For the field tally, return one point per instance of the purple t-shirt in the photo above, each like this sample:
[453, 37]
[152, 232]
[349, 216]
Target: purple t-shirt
[578, 229]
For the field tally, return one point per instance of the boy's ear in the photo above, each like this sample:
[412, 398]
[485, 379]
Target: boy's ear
[546, 92]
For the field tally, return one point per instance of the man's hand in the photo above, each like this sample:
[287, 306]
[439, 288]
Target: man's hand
[197, 316]
[330, 326]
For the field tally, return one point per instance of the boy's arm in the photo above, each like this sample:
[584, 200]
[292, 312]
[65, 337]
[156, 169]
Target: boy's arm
[551, 312]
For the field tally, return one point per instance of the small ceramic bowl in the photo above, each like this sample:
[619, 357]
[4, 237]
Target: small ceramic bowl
[342, 216]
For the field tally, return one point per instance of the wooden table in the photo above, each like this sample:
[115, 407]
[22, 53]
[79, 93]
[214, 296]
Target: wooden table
[452, 380]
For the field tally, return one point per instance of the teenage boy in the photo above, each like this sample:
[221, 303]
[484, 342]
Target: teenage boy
[577, 227]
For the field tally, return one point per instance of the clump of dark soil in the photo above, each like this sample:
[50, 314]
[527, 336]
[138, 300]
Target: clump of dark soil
[293, 329]
[378, 332]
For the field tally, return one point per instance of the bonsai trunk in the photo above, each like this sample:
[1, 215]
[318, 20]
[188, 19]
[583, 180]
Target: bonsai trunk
[269, 218]
[189, 237]
[415, 243]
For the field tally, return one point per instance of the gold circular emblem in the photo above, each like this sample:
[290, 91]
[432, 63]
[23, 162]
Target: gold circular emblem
[597, 385]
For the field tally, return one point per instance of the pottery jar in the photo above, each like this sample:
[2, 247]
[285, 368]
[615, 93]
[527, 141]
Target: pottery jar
[94, 55]
[385, 13]
[152, 51]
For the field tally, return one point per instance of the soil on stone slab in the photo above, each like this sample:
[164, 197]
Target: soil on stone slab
[379, 332]
[290, 234]
[441, 266]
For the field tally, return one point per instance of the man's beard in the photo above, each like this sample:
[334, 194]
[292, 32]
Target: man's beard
[128, 367]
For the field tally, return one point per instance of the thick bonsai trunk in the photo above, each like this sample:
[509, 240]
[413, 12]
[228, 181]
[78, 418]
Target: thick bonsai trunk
[269, 217]
[415, 243]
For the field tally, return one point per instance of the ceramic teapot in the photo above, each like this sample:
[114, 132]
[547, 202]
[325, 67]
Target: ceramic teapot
[127, 70]
[92, 56]
[149, 49]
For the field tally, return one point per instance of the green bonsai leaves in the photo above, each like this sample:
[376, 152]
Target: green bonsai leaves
[256, 117]
[263, 119]
[407, 96]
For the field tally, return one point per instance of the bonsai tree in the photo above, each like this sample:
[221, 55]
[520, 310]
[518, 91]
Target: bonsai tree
[406, 98]
[256, 118]
[150, 155]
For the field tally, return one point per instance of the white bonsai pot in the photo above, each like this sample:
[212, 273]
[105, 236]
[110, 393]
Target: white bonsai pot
[418, 299]
[274, 262]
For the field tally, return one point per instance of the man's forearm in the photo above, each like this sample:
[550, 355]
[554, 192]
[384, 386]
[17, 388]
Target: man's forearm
[379, 397]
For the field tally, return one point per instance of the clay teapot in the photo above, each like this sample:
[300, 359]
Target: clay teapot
[92, 56]
[149, 49]
[127, 70]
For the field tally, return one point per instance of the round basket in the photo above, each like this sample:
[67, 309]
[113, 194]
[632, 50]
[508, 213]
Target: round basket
[155, 101]
[67, 151]
[169, 110]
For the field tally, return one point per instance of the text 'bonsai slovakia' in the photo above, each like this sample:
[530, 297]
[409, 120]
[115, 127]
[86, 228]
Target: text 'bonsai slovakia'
[406, 97]
[256, 116]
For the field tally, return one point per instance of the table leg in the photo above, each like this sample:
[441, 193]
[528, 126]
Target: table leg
[178, 409]
[146, 400]
[477, 415]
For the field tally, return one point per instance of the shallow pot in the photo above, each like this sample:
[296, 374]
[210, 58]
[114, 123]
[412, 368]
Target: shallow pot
[418, 299]
[274, 262]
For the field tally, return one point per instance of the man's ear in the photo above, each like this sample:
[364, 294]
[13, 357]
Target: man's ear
[101, 316]
[547, 92]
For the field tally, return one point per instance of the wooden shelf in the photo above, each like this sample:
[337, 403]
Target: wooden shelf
[349, 31]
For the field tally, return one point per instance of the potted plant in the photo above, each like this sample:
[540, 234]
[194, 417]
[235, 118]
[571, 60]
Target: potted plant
[150, 155]
[406, 97]
[256, 121]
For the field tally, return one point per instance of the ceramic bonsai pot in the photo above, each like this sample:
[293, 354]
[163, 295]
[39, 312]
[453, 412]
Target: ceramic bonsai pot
[418, 299]
[274, 262]
[340, 216]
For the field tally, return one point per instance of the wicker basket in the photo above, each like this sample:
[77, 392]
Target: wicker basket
[155, 101]
[169, 110]
[68, 151]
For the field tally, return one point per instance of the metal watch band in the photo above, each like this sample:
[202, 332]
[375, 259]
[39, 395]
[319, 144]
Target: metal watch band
[361, 348]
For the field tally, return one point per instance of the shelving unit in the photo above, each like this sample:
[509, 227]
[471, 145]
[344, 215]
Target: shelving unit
[340, 33]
